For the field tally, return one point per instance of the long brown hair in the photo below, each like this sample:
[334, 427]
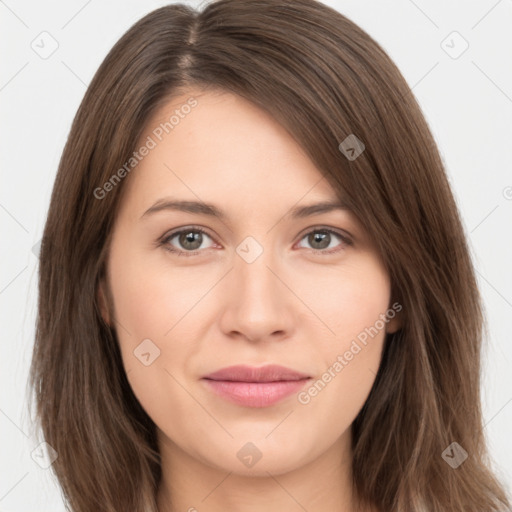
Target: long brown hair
[324, 79]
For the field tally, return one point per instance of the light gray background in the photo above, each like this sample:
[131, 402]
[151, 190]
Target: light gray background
[466, 100]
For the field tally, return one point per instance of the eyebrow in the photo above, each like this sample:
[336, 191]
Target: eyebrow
[200, 208]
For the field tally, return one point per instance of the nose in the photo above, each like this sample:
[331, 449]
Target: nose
[256, 302]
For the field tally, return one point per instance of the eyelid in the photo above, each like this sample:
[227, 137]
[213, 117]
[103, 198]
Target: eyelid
[191, 227]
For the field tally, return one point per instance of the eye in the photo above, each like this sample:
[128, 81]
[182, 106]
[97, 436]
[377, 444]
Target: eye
[189, 240]
[322, 238]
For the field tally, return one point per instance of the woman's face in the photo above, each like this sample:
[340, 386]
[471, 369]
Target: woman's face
[263, 284]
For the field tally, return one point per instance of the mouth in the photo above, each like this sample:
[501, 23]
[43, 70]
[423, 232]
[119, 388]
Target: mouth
[255, 387]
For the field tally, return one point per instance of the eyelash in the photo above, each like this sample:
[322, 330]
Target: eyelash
[165, 241]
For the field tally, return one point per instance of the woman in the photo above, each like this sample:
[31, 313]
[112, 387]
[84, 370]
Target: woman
[255, 289]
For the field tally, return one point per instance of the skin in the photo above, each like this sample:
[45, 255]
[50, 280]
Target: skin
[291, 306]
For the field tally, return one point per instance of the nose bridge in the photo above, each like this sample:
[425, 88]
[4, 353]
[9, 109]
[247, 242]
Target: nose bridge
[260, 303]
[252, 265]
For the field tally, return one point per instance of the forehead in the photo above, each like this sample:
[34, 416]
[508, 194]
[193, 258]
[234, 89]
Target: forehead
[218, 147]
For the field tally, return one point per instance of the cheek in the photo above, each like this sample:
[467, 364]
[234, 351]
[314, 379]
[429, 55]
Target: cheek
[349, 300]
[151, 297]
[350, 303]
[148, 304]
[154, 307]
[350, 365]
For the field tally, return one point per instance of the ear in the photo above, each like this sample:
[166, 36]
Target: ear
[395, 316]
[102, 301]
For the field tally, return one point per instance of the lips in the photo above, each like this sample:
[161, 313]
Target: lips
[255, 387]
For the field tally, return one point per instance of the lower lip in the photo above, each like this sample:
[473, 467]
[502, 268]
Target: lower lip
[255, 394]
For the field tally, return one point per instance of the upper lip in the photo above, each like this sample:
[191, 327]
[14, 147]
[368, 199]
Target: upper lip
[269, 373]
